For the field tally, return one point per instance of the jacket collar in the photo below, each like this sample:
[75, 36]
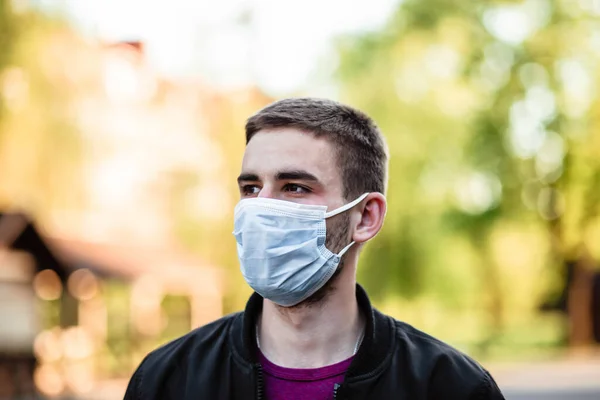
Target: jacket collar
[374, 351]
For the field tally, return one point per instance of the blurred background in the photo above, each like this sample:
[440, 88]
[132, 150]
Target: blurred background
[121, 134]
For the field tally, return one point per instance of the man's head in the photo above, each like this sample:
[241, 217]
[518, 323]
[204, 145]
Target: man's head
[316, 151]
[358, 146]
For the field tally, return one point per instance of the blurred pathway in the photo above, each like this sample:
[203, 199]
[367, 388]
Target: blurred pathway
[569, 379]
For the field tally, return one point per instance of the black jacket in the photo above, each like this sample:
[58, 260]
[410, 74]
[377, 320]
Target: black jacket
[395, 361]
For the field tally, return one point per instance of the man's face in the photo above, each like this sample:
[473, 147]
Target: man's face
[291, 165]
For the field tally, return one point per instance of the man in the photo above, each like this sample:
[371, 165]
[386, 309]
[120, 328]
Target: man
[312, 190]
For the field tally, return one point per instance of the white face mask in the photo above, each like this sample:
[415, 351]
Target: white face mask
[281, 247]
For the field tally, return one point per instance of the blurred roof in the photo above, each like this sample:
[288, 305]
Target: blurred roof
[109, 260]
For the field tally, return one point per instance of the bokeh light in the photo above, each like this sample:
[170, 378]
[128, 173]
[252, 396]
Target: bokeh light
[83, 284]
[47, 285]
[49, 380]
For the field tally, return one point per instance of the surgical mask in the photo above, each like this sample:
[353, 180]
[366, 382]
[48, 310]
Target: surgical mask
[281, 247]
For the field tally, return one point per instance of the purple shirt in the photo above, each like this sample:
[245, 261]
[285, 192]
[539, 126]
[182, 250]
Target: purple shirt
[302, 384]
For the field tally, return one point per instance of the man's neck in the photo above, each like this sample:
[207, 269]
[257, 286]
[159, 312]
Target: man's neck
[312, 336]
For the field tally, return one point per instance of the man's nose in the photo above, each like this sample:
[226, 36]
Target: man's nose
[266, 192]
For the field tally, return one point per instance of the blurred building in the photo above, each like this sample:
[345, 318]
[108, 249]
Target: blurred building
[142, 135]
[99, 279]
[84, 311]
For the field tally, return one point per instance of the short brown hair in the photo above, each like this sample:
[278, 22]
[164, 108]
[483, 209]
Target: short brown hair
[360, 147]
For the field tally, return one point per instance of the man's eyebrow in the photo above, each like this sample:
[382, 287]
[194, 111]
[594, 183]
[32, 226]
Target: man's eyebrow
[247, 177]
[296, 175]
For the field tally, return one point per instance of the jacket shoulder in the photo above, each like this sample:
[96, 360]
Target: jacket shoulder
[160, 364]
[419, 344]
[210, 334]
[442, 368]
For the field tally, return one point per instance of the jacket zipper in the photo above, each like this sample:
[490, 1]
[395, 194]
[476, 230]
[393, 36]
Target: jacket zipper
[259, 382]
[335, 391]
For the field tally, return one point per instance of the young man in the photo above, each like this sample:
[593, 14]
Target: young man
[312, 190]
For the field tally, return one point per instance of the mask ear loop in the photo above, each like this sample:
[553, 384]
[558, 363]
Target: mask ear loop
[346, 206]
[345, 249]
[341, 210]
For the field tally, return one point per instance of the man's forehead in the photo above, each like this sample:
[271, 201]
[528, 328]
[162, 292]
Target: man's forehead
[288, 149]
[288, 139]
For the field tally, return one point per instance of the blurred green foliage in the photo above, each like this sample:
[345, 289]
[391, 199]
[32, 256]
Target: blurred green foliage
[491, 115]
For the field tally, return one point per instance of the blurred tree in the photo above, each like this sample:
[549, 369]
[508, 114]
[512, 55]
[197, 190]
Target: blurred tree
[7, 39]
[493, 133]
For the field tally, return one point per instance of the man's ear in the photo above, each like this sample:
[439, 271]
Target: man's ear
[372, 209]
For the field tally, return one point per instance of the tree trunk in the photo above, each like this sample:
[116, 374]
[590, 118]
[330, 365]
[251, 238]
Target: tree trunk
[579, 303]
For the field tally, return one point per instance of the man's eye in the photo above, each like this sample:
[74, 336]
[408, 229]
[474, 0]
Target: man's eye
[249, 190]
[296, 189]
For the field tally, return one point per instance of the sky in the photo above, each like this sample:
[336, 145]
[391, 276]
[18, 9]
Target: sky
[282, 46]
